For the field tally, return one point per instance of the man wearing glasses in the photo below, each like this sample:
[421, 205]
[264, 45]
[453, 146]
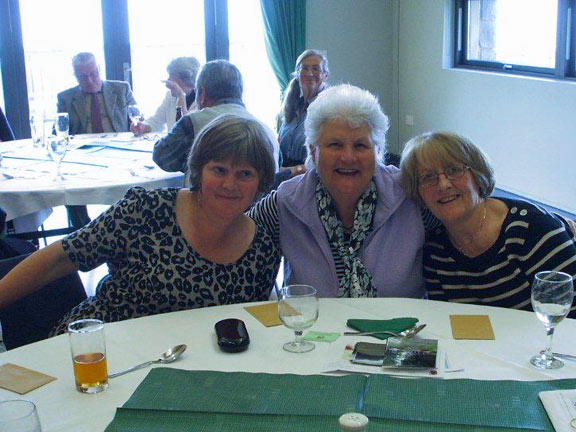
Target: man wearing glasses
[95, 106]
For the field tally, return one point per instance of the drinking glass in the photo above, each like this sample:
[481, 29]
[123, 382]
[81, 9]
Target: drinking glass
[134, 115]
[57, 147]
[36, 131]
[89, 355]
[19, 415]
[552, 295]
[298, 310]
[62, 125]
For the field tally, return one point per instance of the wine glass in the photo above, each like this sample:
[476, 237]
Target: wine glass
[19, 415]
[57, 149]
[62, 125]
[134, 115]
[36, 131]
[298, 310]
[552, 295]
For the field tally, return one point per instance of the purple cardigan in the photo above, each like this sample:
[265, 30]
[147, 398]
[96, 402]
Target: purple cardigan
[392, 252]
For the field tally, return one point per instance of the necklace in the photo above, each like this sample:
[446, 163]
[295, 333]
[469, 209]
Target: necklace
[462, 249]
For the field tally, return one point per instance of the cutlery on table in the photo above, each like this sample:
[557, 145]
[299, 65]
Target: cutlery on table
[168, 357]
[411, 332]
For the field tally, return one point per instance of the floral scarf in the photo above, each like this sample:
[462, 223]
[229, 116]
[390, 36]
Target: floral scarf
[356, 281]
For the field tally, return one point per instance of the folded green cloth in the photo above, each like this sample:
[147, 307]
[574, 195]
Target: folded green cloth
[395, 325]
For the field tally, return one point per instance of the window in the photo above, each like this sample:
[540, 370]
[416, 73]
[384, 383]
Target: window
[516, 36]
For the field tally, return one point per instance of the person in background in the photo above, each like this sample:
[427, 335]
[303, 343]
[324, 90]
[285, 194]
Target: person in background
[219, 90]
[345, 226]
[310, 77]
[6, 133]
[488, 249]
[95, 106]
[173, 249]
[179, 100]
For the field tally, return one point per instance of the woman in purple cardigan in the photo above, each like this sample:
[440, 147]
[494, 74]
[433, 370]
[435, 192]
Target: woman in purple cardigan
[346, 227]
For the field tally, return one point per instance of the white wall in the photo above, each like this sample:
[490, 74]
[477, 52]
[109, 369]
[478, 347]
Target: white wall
[526, 125]
[358, 37]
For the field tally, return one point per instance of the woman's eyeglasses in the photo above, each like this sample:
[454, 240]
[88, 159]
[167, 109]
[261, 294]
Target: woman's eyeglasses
[451, 173]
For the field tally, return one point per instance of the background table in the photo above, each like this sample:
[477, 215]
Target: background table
[518, 337]
[99, 169]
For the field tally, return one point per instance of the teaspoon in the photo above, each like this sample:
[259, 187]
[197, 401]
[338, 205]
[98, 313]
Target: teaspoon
[168, 357]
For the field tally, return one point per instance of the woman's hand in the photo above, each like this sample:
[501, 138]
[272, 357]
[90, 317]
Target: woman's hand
[175, 90]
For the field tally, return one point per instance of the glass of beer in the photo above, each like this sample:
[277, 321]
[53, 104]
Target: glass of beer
[89, 355]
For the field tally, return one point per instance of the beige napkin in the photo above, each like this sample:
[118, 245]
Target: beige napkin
[21, 380]
[477, 327]
[266, 313]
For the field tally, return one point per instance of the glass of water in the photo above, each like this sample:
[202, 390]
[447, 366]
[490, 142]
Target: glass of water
[298, 310]
[552, 295]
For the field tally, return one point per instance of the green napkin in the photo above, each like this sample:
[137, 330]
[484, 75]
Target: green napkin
[395, 325]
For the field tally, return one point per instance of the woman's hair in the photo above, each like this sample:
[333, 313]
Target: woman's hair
[292, 106]
[185, 68]
[444, 149]
[351, 104]
[232, 137]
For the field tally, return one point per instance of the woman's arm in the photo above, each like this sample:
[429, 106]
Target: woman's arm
[39, 269]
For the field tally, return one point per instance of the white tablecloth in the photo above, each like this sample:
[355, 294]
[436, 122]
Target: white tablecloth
[94, 172]
[61, 408]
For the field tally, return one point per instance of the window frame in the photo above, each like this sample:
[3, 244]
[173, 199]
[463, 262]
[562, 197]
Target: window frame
[565, 46]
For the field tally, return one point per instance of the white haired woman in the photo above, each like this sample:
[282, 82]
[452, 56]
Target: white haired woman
[346, 227]
[181, 95]
[173, 249]
[488, 249]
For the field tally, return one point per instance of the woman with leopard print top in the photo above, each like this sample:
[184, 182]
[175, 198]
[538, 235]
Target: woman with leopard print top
[173, 249]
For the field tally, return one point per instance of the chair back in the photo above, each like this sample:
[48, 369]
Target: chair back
[31, 318]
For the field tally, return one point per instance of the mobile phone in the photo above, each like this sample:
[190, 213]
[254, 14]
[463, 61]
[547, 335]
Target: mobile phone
[232, 335]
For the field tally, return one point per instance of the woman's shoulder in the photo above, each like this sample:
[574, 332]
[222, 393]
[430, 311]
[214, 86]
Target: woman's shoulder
[140, 197]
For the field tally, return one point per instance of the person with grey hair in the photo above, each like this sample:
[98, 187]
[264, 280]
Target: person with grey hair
[345, 226]
[219, 90]
[173, 249]
[179, 100]
[488, 249]
[95, 106]
[310, 75]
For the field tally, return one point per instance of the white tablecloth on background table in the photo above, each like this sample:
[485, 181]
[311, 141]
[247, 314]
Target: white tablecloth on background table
[99, 174]
[518, 337]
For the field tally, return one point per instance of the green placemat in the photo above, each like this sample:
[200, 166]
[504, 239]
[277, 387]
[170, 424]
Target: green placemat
[240, 392]
[253, 402]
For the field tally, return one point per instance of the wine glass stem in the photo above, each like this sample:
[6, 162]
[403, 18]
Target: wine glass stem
[59, 170]
[298, 337]
[550, 334]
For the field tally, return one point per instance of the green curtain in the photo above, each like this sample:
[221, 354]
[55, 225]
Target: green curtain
[285, 28]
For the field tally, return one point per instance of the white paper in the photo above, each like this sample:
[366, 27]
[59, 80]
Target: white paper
[561, 408]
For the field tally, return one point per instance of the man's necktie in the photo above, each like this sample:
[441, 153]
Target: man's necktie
[96, 115]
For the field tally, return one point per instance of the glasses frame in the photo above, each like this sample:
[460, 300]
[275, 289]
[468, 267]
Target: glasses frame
[450, 176]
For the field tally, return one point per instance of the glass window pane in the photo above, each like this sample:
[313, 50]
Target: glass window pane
[53, 32]
[159, 32]
[248, 52]
[521, 32]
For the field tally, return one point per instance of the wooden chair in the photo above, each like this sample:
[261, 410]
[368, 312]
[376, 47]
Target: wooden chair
[31, 318]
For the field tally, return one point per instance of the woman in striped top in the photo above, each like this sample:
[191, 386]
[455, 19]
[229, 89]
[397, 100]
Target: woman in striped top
[488, 249]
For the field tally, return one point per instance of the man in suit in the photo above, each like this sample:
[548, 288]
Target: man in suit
[95, 106]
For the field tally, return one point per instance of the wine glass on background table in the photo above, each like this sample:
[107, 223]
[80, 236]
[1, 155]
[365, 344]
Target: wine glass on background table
[298, 310]
[55, 145]
[552, 295]
[62, 125]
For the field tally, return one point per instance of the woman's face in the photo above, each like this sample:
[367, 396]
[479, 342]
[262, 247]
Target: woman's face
[451, 201]
[344, 157]
[177, 80]
[228, 189]
[311, 76]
